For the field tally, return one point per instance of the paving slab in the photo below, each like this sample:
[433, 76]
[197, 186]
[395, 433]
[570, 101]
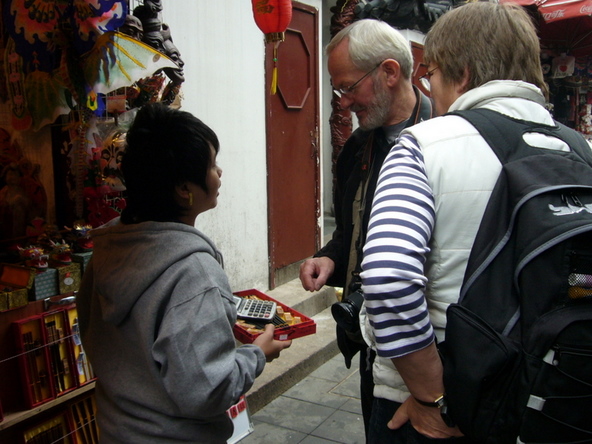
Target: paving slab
[304, 356]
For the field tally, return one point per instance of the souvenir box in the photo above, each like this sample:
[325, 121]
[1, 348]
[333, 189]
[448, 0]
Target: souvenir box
[82, 365]
[15, 283]
[60, 352]
[82, 259]
[34, 365]
[56, 429]
[83, 413]
[45, 285]
[69, 278]
[305, 327]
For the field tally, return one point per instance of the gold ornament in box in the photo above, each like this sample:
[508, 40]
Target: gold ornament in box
[69, 278]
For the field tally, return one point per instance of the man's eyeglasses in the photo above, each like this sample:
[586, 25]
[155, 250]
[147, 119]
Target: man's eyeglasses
[345, 90]
[425, 79]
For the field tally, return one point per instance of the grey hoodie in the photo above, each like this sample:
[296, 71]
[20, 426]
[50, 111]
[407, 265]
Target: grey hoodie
[156, 315]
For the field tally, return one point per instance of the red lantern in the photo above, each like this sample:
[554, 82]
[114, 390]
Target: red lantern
[273, 17]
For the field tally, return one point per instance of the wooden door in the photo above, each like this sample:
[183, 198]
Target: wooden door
[419, 69]
[293, 147]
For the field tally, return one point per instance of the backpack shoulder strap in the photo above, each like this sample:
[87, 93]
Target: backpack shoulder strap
[504, 134]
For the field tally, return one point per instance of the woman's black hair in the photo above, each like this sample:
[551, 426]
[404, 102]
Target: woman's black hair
[165, 147]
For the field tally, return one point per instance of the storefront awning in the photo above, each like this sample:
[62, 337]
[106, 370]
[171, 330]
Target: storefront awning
[564, 26]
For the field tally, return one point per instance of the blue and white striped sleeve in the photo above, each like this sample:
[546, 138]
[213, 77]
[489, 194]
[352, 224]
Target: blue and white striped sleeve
[400, 227]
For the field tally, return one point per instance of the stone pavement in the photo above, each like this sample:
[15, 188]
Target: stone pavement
[322, 408]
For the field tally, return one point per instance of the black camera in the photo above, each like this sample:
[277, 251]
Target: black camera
[347, 312]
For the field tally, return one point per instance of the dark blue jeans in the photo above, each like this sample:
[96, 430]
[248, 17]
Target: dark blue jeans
[382, 412]
[367, 357]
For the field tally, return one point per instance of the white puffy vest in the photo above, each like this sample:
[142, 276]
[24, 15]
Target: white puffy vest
[462, 171]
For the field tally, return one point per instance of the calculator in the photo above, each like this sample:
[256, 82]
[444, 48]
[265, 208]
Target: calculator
[255, 309]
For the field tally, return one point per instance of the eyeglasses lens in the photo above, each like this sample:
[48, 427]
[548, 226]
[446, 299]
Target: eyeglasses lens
[425, 82]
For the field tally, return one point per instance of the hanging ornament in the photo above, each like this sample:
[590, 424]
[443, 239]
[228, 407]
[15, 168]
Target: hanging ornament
[273, 17]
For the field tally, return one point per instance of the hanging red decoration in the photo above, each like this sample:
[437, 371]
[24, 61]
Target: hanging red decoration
[273, 17]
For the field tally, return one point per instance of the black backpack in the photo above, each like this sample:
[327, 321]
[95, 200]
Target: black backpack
[518, 350]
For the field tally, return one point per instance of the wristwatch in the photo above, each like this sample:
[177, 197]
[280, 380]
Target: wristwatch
[440, 403]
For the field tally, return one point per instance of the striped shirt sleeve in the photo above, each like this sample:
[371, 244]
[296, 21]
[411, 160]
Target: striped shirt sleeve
[393, 280]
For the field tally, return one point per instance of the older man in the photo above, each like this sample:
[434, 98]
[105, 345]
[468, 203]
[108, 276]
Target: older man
[370, 64]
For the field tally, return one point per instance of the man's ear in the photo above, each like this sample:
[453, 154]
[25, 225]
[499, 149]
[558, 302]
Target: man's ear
[392, 69]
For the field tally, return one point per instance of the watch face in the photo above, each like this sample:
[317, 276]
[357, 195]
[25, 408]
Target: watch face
[445, 416]
[440, 402]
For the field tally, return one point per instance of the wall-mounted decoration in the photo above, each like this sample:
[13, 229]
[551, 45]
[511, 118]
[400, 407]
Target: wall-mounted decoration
[49, 41]
[65, 55]
[418, 15]
[72, 74]
[158, 35]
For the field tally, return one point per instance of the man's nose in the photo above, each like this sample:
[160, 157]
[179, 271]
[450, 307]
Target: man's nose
[346, 101]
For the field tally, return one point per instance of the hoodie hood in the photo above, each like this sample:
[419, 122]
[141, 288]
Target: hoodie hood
[127, 259]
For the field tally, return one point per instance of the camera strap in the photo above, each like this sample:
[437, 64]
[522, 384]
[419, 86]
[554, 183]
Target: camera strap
[378, 140]
[358, 207]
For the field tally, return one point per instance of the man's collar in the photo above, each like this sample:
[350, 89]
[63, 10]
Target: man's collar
[423, 110]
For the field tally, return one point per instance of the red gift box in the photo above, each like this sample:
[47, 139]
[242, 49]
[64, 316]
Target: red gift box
[15, 283]
[33, 361]
[61, 358]
[304, 328]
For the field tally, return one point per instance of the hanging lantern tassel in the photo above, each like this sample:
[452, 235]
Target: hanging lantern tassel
[274, 75]
[273, 18]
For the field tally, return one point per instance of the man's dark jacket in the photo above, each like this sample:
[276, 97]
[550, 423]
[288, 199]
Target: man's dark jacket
[348, 174]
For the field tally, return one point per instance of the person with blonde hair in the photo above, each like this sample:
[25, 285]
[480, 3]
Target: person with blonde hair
[431, 195]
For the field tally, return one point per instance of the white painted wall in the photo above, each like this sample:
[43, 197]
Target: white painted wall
[223, 51]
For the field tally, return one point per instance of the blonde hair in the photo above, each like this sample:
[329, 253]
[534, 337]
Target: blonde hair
[493, 41]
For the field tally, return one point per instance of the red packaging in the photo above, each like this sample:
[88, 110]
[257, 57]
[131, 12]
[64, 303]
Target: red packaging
[304, 328]
[63, 366]
[33, 361]
[16, 281]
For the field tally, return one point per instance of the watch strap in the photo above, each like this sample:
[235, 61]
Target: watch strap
[437, 403]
